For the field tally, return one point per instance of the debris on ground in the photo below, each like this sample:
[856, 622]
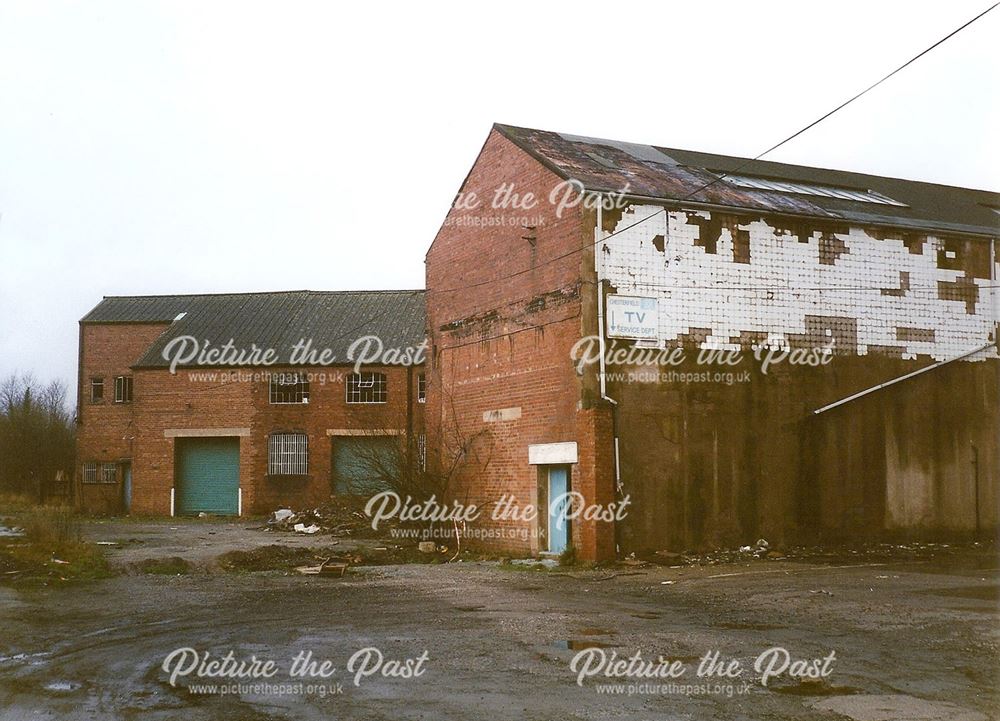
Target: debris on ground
[763, 550]
[328, 567]
[282, 514]
[339, 516]
[427, 547]
[535, 562]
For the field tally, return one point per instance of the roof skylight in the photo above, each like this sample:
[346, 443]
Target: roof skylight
[826, 191]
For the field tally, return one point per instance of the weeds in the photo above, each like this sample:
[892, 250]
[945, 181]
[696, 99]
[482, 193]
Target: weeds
[50, 525]
[51, 548]
[568, 556]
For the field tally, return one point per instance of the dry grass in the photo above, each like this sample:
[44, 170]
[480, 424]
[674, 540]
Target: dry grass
[50, 525]
[51, 548]
[15, 503]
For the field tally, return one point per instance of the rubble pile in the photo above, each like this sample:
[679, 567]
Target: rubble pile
[340, 516]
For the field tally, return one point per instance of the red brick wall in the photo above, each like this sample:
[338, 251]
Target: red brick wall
[106, 430]
[185, 401]
[505, 344]
[110, 432]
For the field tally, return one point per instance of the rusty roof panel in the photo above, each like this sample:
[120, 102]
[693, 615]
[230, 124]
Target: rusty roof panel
[671, 174]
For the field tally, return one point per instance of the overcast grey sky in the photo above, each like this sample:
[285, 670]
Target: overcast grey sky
[187, 147]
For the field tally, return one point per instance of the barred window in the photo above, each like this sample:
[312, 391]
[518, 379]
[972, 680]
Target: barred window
[366, 388]
[422, 451]
[90, 472]
[96, 390]
[289, 388]
[123, 389]
[109, 473]
[421, 388]
[288, 454]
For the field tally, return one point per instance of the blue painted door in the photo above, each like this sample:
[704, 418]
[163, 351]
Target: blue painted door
[127, 486]
[208, 476]
[558, 503]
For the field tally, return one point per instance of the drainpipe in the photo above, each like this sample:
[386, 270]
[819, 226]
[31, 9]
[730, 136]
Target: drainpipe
[409, 420]
[994, 291]
[598, 235]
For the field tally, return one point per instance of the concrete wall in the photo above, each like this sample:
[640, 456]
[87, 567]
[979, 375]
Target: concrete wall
[708, 462]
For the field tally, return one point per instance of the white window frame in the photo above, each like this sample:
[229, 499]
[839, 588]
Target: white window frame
[357, 383]
[421, 387]
[288, 454]
[89, 474]
[298, 382]
[123, 389]
[422, 451]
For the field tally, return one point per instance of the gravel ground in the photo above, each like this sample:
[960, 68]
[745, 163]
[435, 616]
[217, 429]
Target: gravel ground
[913, 639]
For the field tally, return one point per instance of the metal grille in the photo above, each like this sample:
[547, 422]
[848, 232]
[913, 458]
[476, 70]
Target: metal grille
[366, 388]
[289, 388]
[109, 473]
[288, 454]
[422, 451]
[90, 472]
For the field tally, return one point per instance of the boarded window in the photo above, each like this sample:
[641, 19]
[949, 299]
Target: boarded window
[288, 454]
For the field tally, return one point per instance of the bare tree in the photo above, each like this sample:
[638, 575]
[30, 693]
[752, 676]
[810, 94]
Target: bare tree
[36, 435]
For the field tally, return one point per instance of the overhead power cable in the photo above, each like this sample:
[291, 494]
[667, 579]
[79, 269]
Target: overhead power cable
[738, 168]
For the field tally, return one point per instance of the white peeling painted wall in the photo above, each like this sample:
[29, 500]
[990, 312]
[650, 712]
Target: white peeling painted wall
[784, 282]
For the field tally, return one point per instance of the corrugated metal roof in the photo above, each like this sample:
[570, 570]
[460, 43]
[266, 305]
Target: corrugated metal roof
[278, 320]
[672, 174]
[139, 309]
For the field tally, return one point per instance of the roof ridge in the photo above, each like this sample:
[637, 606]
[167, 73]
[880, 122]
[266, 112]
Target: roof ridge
[503, 127]
[259, 292]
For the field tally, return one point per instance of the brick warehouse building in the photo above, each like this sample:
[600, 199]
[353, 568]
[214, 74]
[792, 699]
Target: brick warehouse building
[696, 251]
[241, 438]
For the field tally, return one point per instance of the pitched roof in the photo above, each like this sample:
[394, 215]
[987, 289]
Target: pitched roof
[332, 320]
[672, 174]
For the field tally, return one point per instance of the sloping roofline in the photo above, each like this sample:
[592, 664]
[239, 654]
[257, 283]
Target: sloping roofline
[676, 175]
